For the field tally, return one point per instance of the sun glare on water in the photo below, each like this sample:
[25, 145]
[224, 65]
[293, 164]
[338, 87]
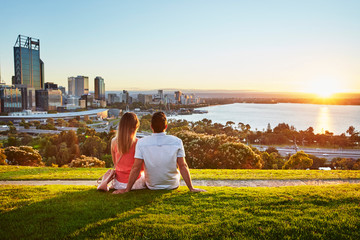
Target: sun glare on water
[325, 88]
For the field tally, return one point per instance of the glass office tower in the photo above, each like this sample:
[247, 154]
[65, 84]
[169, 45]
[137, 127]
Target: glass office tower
[29, 69]
[99, 88]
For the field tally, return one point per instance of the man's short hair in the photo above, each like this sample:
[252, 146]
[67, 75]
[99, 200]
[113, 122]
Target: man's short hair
[158, 122]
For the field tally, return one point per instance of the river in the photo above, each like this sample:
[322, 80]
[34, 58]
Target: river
[334, 118]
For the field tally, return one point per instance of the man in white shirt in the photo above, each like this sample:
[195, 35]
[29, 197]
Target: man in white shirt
[161, 154]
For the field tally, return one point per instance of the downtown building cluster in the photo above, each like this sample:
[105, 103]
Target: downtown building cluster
[29, 91]
[160, 98]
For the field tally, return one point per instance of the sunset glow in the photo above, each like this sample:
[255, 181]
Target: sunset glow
[325, 87]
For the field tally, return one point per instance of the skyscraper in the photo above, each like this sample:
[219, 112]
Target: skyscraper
[178, 96]
[78, 86]
[71, 86]
[29, 69]
[99, 88]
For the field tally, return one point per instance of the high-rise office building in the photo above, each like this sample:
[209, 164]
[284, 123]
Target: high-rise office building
[62, 89]
[145, 98]
[10, 98]
[99, 88]
[161, 94]
[113, 98]
[28, 96]
[29, 69]
[48, 99]
[78, 86]
[51, 85]
[71, 86]
[125, 97]
[178, 96]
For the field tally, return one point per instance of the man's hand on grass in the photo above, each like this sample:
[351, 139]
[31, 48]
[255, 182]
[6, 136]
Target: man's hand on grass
[120, 191]
[197, 190]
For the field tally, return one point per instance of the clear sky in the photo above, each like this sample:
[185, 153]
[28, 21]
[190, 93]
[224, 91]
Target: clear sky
[277, 45]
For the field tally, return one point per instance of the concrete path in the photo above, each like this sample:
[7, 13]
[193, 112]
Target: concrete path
[213, 183]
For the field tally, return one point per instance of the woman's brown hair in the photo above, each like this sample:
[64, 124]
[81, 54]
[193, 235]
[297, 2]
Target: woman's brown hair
[126, 135]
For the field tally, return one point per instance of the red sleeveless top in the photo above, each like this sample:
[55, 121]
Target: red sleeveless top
[125, 164]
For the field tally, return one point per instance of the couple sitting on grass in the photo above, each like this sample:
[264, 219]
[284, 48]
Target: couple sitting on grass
[157, 156]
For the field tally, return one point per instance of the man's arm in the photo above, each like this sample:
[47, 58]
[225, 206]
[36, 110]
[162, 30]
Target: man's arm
[134, 173]
[185, 173]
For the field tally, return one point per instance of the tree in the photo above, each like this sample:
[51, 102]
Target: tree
[317, 162]
[50, 121]
[145, 123]
[268, 128]
[93, 146]
[299, 160]
[271, 149]
[63, 155]
[23, 155]
[219, 151]
[239, 155]
[73, 123]
[229, 124]
[351, 130]
[272, 159]
[2, 157]
[26, 139]
[60, 122]
[344, 163]
[12, 140]
[69, 137]
[36, 123]
[107, 158]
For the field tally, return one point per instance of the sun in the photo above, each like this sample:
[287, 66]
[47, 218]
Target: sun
[324, 88]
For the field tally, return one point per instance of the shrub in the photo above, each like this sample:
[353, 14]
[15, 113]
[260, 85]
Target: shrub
[271, 149]
[23, 155]
[238, 155]
[317, 162]
[2, 157]
[219, 151]
[87, 162]
[345, 163]
[107, 158]
[299, 160]
[272, 160]
[50, 161]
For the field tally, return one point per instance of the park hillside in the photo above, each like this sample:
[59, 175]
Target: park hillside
[214, 152]
[208, 145]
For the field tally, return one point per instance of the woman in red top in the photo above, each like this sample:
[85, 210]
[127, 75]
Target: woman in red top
[123, 151]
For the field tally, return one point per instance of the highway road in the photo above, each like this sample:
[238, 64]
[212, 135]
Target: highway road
[327, 153]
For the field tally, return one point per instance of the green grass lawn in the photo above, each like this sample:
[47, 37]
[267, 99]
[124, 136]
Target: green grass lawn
[43, 173]
[79, 212]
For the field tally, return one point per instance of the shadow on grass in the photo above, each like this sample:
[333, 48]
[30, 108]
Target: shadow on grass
[220, 213]
[71, 214]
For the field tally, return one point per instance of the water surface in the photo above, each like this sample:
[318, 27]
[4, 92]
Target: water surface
[334, 118]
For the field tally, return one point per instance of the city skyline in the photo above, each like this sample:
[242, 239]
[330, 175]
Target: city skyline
[232, 45]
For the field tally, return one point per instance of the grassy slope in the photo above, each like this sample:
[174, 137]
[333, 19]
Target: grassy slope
[42, 173]
[303, 212]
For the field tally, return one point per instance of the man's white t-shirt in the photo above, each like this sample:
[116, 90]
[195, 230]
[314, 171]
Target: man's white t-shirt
[160, 152]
